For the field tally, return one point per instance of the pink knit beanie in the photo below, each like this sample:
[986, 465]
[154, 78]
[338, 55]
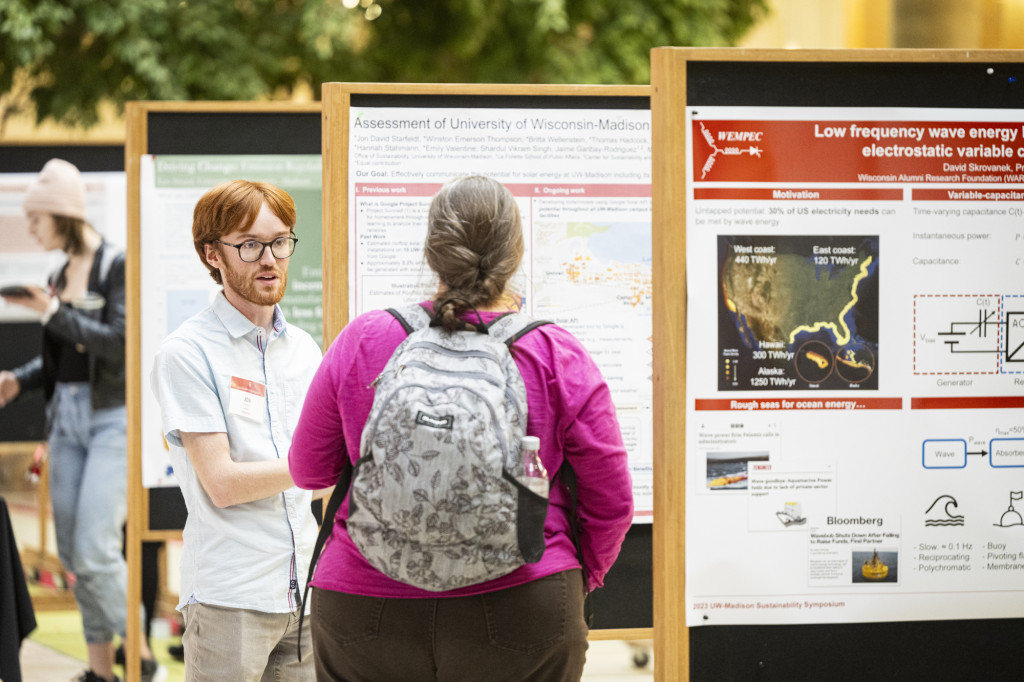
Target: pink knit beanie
[59, 189]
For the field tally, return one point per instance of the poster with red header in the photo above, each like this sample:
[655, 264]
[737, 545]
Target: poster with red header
[855, 364]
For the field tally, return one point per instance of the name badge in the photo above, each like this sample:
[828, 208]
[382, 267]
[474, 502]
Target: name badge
[248, 399]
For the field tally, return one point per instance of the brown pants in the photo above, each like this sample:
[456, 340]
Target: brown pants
[531, 632]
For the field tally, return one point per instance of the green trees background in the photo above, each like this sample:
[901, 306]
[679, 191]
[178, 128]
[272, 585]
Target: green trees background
[63, 57]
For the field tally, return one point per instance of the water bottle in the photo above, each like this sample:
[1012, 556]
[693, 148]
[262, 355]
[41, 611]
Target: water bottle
[535, 476]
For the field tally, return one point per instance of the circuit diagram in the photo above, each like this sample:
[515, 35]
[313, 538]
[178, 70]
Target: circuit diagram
[968, 334]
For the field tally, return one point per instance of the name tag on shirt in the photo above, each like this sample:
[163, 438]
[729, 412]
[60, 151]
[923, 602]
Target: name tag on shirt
[248, 399]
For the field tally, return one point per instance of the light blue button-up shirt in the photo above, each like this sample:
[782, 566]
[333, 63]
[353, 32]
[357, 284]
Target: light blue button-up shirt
[208, 377]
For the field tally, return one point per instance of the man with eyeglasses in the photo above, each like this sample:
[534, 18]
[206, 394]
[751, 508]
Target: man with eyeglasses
[230, 382]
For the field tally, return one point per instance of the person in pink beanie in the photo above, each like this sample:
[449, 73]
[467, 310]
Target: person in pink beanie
[82, 373]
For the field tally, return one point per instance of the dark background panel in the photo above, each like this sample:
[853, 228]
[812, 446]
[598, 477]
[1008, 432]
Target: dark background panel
[30, 158]
[21, 341]
[627, 598]
[855, 84]
[211, 133]
[920, 650]
[166, 509]
[23, 419]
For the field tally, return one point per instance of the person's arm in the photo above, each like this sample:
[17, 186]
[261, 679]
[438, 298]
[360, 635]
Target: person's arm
[593, 447]
[21, 380]
[228, 482]
[194, 419]
[30, 375]
[318, 451]
[10, 387]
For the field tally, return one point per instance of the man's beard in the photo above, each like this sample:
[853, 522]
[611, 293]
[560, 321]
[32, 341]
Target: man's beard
[245, 284]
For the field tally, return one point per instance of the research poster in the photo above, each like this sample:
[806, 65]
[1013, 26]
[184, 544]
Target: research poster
[582, 178]
[855, 365]
[22, 260]
[176, 285]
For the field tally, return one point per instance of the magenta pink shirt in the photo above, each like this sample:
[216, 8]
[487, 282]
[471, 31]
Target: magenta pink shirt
[568, 407]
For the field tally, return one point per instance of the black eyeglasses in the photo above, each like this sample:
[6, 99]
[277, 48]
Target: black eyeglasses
[251, 250]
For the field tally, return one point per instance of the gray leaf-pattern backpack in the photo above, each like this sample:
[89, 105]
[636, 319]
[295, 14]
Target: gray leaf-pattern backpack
[437, 499]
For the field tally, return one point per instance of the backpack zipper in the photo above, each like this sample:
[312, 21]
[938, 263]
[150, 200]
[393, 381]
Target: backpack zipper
[454, 353]
[494, 416]
[452, 372]
[509, 393]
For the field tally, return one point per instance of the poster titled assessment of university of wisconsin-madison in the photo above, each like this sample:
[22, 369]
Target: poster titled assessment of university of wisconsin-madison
[855, 365]
[582, 178]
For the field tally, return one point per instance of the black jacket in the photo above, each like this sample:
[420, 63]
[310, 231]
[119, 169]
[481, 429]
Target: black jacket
[100, 332]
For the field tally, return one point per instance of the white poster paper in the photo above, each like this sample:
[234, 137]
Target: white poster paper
[855, 420]
[582, 178]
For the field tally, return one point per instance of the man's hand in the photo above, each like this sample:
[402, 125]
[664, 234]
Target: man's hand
[323, 493]
[10, 387]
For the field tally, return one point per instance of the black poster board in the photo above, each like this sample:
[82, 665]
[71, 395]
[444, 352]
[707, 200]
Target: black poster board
[625, 602]
[942, 650]
[22, 421]
[30, 158]
[234, 130]
[183, 128]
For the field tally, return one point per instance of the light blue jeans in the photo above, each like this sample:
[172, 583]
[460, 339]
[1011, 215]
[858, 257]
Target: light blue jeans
[88, 481]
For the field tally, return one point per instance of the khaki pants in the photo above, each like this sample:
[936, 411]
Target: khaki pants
[237, 645]
[531, 632]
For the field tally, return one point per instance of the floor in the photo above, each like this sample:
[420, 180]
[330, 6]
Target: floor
[607, 661]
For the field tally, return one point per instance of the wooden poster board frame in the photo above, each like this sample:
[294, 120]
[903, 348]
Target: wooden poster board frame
[337, 98]
[669, 71]
[136, 145]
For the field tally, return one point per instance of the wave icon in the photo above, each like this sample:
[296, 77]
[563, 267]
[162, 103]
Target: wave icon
[949, 518]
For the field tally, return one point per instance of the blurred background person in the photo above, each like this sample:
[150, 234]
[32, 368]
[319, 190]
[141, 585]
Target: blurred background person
[81, 370]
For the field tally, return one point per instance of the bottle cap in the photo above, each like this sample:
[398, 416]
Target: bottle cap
[530, 443]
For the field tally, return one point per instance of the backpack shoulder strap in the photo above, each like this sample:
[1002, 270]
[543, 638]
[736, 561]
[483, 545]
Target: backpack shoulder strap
[568, 477]
[511, 327]
[326, 526]
[411, 317]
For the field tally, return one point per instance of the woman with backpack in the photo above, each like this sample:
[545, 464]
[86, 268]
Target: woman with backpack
[523, 620]
[82, 373]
